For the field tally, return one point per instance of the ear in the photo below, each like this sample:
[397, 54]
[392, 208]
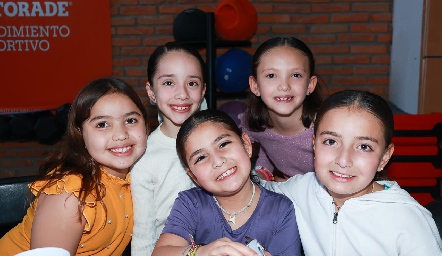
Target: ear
[312, 84]
[254, 86]
[313, 138]
[150, 93]
[203, 92]
[386, 157]
[247, 143]
[192, 176]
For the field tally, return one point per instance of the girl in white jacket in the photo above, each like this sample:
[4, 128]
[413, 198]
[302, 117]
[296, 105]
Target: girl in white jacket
[347, 207]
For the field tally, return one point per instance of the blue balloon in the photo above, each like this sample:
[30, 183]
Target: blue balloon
[232, 70]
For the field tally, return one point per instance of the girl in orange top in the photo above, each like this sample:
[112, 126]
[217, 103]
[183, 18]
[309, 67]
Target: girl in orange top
[83, 200]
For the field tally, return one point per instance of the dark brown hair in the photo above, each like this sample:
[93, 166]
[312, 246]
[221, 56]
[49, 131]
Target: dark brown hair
[257, 113]
[363, 100]
[71, 157]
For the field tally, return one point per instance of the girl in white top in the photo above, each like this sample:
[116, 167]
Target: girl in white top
[345, 207]
[175, 83]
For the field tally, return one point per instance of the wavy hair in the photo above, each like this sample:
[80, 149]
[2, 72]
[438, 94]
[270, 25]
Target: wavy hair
[71, 156]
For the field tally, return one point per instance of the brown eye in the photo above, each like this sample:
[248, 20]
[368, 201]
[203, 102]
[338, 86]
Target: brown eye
[101, 125]
[131, 121]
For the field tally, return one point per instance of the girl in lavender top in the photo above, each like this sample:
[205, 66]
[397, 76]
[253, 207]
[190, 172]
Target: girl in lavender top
[230, 207]
[282, 106]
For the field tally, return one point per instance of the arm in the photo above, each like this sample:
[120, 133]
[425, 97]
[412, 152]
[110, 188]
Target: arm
[173, 245]
[144, 231]
[56, 222]
[419, 236]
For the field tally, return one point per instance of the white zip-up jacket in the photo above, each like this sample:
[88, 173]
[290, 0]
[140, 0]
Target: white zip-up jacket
[388, 222]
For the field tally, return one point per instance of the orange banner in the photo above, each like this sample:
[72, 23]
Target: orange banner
[50, 49]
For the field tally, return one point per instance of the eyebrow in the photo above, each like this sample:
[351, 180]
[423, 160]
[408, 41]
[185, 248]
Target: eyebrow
[165, 75]
[107, 116]
[276, 69]
[196, 152]
[358, 137]
[172, 75]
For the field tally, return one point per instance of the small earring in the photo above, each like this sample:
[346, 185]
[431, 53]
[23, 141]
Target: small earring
[308, 93]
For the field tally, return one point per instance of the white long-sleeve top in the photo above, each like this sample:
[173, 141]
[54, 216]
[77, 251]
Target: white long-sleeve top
[157, 178]
[388, 222]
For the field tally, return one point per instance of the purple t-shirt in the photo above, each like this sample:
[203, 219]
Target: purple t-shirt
[273, 223]
[290, 154]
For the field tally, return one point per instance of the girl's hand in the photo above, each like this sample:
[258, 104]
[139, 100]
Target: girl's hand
[226, 247]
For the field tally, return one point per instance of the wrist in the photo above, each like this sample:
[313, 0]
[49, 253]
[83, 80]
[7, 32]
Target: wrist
[265, 172]
[193, 249]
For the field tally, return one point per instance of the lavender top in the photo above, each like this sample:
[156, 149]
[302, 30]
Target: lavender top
[273, 222]
[290, 154]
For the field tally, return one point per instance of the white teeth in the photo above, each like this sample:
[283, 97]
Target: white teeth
[284, 98]
[180, 108]
[227, 173]
[342, 175]
[121, 150]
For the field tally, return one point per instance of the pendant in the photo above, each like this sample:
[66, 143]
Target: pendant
[232, 219]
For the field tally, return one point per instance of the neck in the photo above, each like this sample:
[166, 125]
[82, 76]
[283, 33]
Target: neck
[169, 129]
[238, 200]
[339, 199]
[287, 125]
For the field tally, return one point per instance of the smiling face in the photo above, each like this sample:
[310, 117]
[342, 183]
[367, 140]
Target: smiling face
[218, 159]
[178, 89]
[283, 81]
[115, 133]
[350, 148]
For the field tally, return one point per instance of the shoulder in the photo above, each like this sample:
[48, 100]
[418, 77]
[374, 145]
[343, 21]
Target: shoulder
[243, 121]
[158, 137]
[274, 197]
[69, 183]
[195, 194]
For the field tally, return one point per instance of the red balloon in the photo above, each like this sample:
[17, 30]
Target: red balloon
[235, 20]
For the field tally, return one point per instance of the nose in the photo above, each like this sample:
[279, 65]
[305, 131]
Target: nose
[284, 85]
[218, 161]
[343, 159]
[120, 133]
[181, 93]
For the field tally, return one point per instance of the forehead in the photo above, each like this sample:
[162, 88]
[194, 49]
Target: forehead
[351, 120]
[112, 104]
[206, 133]
[283, 54]
[178, 59]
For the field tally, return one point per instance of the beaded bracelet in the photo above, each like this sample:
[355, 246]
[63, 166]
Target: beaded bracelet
[193, 249]
[185, 249]
[264, 171]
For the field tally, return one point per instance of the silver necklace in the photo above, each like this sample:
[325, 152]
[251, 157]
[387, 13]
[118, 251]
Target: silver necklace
[232, 216]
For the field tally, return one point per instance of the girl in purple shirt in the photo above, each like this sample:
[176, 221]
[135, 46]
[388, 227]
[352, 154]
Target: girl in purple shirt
[229, 208]
[282, 106]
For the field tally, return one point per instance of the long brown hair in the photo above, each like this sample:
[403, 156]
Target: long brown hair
[257, 113]
[71, 156]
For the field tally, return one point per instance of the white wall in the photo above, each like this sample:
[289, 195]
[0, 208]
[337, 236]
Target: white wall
[406, 54]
